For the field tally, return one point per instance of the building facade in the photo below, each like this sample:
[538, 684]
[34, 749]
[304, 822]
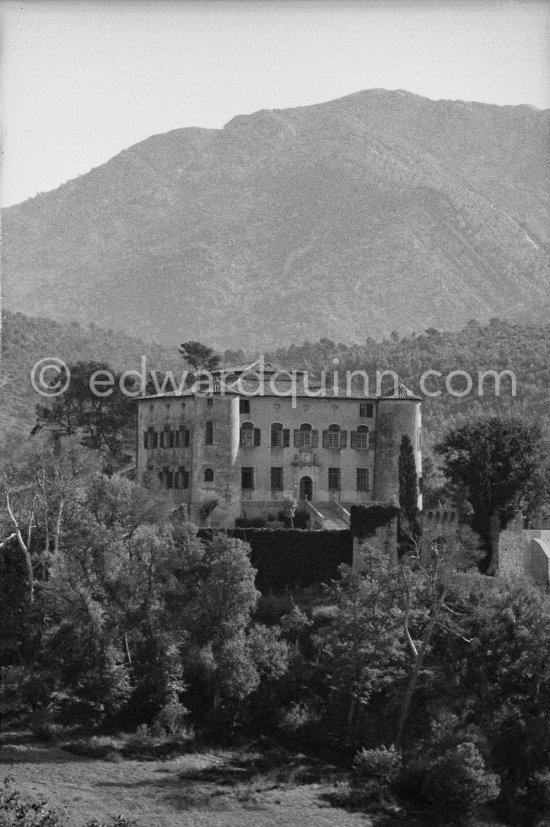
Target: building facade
[248, 446]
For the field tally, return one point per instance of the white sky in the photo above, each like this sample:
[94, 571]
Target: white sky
[84, 79]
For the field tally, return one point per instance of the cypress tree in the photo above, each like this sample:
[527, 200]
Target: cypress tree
[408, 486]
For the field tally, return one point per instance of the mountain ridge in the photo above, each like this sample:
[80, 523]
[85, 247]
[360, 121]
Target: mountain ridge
[376, 211]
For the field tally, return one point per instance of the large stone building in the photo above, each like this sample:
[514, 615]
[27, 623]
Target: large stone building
[248, 440]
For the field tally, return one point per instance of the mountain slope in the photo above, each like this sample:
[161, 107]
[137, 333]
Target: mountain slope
[26, 340]
[380, 210]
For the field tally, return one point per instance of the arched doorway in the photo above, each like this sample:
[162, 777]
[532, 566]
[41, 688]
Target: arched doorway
[306, 488]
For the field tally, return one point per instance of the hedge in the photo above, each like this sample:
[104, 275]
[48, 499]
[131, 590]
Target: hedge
[365, 519]
[286, 557]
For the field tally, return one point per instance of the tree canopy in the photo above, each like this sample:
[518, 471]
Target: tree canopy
[104, 421]
[498, 463]
[200, 356]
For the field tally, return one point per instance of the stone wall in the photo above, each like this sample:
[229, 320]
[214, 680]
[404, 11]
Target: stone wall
[525, 552]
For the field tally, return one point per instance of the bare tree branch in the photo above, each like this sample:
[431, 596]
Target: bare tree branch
[22, 545]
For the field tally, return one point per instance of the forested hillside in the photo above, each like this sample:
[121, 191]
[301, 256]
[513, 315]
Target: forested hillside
[500, 345]
[25, 340]
[523, 349]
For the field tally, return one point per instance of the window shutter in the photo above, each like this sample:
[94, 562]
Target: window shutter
[171, 439]
[155, 439]
[177, 435]
[286, 437]
[353, 439]
[145, 441]
[325, 439]
[161, 444]
[343, 439]
[314, 439]
[257, 437]
[296, 438]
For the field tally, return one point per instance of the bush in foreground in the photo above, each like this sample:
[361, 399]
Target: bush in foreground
[453, 784]
[17, 811]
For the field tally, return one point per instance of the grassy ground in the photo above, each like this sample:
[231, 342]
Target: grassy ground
[206, 789]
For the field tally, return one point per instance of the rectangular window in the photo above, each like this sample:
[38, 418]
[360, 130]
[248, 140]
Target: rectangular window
[166, 478]
[209, 433]
[304, 439]
[333, 479]
[209, 402]
[276, 479]
[362, 479]
[247, 478]
[167, 438]
[362, 440]
[150, 438]
[244, 406]
[187, 437]
[181, 478]
[247, 437]
[333, 439]
[366, 410]
[276, 436]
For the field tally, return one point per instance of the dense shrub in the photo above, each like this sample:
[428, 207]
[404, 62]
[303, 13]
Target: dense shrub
[250, 522]
[374, 771]
[453, 784]
[458, 781]
[171, 717]
[297, 716]
[271, 608]
[382, 764]
[17, 811]
[365, 519]
[530, 804]
[23, 690]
